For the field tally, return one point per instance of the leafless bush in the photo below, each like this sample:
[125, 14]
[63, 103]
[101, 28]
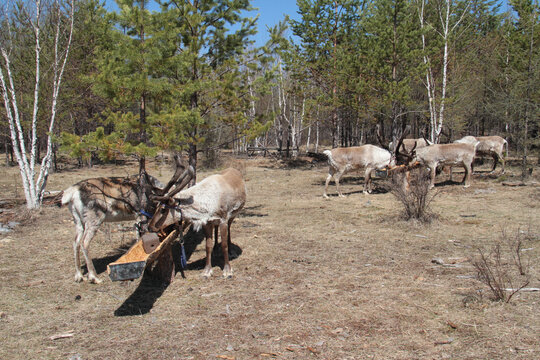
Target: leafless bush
[412, 190]
[503, 267]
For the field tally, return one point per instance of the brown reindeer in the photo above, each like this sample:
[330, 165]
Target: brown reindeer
[95, 201]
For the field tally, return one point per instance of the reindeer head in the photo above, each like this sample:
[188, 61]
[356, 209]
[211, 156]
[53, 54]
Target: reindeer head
[164, 198]
[399, 155]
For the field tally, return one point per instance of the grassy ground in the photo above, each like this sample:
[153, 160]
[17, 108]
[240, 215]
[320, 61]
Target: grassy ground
[342, 278]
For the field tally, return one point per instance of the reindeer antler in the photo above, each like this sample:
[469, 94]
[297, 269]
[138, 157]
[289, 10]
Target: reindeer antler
[400, 141]
[178, 173]
[381, 139]
[179, 180]
[409, 155]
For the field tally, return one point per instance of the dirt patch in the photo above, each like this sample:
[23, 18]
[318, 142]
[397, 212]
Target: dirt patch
[333, 279]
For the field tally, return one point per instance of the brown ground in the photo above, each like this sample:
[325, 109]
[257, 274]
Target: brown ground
[342, 278]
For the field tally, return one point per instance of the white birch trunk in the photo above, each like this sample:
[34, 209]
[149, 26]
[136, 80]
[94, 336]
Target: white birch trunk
[34, 189]
[282, 100]
[437, 107]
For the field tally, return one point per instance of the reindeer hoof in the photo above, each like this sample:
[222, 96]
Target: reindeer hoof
[466, 186]
[94, 280]
[207, 273]
[78, 277]
[325, 196]
[227, 272]
[341, 195]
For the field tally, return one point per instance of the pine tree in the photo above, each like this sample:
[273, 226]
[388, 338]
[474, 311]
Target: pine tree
[522, 73]
[327, 29]
[203, 69]
[390, 50]
[129, 69]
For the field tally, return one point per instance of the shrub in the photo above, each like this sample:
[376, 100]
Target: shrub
[503, 267]
[412, 190]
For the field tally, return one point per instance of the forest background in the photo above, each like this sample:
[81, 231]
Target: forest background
[98, 84]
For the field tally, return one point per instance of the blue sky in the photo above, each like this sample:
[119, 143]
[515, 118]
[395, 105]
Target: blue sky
[270, 13]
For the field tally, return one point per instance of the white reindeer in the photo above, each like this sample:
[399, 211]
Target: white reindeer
[488, 146]
[213, 203]
[446, 154]
[344, 160]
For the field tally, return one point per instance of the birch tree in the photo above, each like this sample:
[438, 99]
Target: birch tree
[448, 23]
[14, 19]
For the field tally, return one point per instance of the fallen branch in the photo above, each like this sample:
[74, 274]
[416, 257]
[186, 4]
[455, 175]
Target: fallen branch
[515, 183]
[522, 289]
[444, 342]
[62, 336]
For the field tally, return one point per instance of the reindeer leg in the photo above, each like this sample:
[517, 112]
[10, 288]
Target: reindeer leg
[207, 272]
[92, 221]
[338, 177]
[330, 174]
[89, 233]
[502, 163]
[216, 236]
[495, 160]
[76, 250]
[433, 171]
[367, 180]
[232, 253]
[79, 227]
[225, 237]
[467, 177]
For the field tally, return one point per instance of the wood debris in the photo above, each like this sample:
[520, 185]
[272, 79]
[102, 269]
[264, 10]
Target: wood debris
[445, 342]
[65, 335]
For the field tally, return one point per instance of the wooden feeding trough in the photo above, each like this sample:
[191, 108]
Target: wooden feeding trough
[155, 257]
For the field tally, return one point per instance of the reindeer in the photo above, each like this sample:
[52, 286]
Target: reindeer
[95, 201]
[344, 160]
[446, 154]
[488, 146]
[212, 204]
[370, 157]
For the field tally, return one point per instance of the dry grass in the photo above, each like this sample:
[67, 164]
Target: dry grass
[332, 279]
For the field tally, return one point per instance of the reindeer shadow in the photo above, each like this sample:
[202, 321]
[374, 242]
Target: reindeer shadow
[376, 190]
[100, 264]
[192, 239]
[142, 300]
[252, 211]
[448, 183]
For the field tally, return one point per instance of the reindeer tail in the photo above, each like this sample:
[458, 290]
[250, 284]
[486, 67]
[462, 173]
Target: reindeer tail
[331, 160]
[67, 195]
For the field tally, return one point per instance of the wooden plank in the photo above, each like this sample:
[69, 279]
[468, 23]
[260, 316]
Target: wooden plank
[135, 253]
